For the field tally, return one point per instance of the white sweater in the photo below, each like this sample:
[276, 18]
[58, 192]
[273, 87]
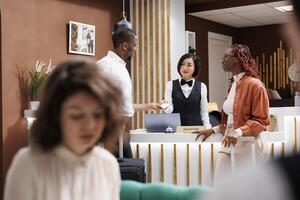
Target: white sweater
[63, 175]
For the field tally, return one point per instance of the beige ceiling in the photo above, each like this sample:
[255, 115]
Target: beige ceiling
[246, 16]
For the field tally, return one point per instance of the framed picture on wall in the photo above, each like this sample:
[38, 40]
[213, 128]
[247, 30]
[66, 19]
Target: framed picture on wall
[190, 42]
[82, 38]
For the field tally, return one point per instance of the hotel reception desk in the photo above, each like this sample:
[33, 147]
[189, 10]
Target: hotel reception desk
[177, 158]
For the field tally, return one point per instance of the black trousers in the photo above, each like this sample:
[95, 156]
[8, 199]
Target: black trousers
[127, 152]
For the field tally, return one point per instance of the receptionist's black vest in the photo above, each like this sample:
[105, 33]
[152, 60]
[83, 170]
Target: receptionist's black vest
[189, 108]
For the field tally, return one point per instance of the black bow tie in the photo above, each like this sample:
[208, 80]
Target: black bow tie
[190, 82]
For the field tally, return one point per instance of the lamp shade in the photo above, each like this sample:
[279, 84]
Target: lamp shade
[122, 24]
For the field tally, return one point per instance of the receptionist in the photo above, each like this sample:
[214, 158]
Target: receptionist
[186, 95]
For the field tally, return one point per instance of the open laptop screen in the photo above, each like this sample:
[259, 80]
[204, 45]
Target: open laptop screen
[158, 123]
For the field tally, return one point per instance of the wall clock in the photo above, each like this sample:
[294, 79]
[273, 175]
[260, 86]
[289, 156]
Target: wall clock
[294, 72]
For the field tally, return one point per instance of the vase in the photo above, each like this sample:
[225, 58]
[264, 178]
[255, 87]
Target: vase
[34, 105]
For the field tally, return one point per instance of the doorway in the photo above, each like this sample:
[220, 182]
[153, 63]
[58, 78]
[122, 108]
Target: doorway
[218, 79]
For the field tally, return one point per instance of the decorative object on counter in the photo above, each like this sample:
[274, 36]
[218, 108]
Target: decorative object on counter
[273, 123]
[169, 130]
[82, 38]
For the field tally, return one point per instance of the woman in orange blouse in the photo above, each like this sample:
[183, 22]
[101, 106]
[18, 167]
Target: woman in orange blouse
[245, 111]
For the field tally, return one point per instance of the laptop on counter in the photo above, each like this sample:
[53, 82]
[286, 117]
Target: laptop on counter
[158, 123]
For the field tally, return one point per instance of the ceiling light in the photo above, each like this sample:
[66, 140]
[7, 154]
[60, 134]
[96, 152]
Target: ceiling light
[285, 9]
[123, 23]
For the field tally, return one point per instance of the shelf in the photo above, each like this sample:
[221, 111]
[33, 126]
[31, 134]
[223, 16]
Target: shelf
[282, 102]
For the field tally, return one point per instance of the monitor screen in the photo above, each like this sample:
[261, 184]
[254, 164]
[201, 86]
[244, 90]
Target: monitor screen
[158, 123]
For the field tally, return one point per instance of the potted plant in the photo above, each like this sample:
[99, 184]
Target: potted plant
[36, 76]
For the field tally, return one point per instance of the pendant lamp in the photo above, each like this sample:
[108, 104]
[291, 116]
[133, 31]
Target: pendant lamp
[123, 23]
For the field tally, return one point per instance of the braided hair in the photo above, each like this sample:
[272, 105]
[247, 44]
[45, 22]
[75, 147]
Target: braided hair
[242, 52]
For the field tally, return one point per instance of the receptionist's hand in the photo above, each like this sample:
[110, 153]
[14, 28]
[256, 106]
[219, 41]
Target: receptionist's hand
[206, 133]
[164, 105]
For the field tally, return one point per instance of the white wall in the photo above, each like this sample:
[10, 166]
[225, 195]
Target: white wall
[177, 14]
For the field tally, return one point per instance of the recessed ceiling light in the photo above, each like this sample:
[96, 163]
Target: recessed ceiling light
[285, 9]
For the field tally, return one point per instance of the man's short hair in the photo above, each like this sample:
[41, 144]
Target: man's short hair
[122, 35]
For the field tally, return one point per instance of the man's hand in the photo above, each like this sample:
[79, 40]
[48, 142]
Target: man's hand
[206, 133]
[228, 140]
[146, 106]
[153, 107]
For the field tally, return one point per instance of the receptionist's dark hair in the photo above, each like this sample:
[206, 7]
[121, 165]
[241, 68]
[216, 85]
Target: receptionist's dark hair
[196, 63]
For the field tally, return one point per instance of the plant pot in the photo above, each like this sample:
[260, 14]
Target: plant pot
[34, 105]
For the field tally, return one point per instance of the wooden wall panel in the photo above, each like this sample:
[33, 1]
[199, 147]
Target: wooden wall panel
[152, 63]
